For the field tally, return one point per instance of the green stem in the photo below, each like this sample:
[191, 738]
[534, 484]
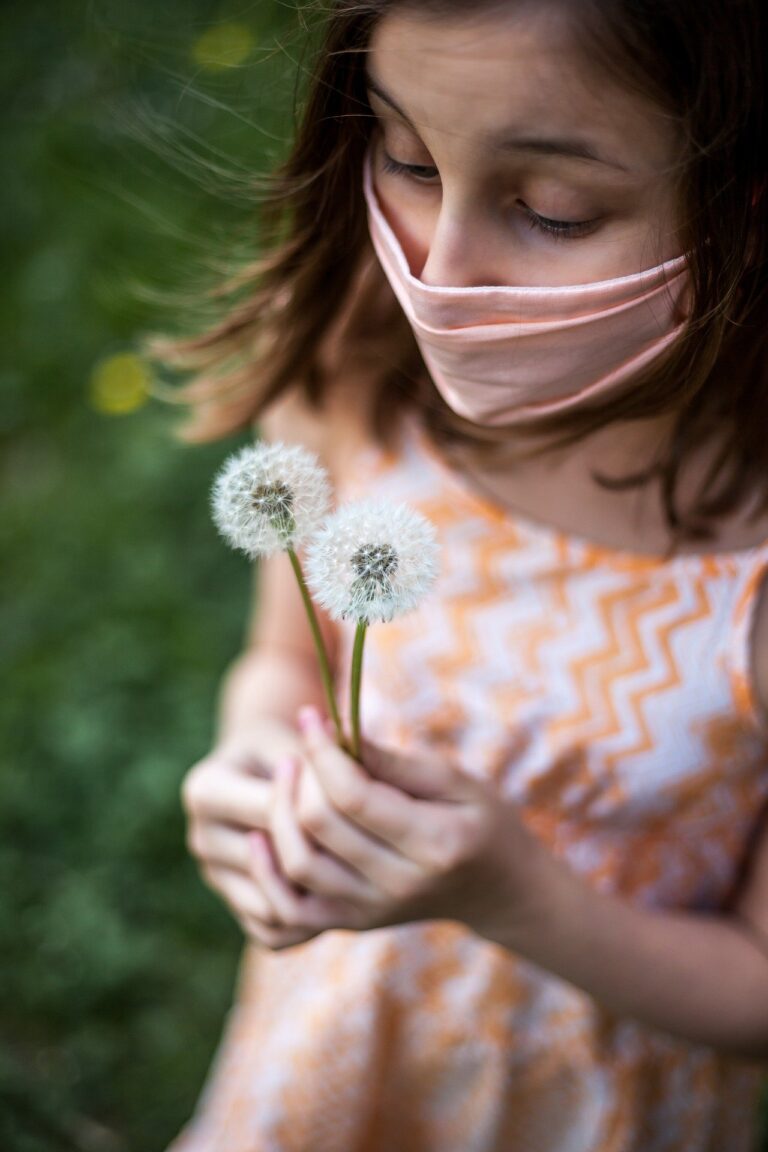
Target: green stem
[325, 667]
[357, 672]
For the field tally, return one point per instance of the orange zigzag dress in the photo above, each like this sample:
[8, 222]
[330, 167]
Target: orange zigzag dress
[609, 694]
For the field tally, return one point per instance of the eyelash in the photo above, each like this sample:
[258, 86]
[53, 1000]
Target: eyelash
[557, 229]
[398, 169]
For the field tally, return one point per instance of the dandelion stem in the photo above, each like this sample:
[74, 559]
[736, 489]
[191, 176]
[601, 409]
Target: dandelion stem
[357, 672]
[325, 667]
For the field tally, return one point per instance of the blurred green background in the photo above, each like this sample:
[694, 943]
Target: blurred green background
[131, 132]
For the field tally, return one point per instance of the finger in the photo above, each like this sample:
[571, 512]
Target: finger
[400, 822]
[275, 939]
[384, 867]
[213, 794]
[241, 759]
[289, 908]
[426, 777]
[389, 766]
[217, 845]
[298, 857]
[373, 806]
[240, 892]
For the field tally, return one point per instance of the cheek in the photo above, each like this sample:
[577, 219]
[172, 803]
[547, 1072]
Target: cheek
[412, 222]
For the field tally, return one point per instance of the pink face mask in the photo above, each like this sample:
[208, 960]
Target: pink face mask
[504, 355]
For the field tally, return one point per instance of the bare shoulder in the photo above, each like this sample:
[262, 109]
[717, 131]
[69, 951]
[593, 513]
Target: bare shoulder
[333, 432]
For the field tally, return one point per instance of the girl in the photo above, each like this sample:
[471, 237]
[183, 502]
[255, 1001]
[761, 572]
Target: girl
[519, 282]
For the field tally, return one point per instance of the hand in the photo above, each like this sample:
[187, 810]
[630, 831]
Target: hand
[226, 795]
[451, 849]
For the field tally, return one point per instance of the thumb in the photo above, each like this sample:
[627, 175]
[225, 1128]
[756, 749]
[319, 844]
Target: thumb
[426, 777]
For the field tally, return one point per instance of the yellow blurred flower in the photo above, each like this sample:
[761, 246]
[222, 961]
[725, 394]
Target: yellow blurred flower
[119, 384]
[223, 46]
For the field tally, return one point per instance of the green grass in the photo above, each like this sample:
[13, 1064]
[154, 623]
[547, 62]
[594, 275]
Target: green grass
[123, 607]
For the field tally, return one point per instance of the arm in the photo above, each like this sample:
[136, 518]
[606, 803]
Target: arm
[701, 977]
[277, 670]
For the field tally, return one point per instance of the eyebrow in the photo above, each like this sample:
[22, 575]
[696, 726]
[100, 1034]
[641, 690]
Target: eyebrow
[572, 147]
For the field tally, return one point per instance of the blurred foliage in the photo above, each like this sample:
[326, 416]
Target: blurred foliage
[132, 135]
[122, 605]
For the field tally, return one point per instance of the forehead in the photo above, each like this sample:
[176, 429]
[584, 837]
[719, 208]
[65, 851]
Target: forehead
[478, 78]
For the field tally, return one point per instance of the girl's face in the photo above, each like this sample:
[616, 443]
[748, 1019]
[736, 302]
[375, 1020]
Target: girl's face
[502, 157]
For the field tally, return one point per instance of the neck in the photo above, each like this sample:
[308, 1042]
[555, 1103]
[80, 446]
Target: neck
[559, 489]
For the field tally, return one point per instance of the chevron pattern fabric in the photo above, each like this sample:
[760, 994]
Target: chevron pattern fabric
[609, 695]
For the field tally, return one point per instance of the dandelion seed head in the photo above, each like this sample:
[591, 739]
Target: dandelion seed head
[269, 497]
[372, 560]
[275, 502]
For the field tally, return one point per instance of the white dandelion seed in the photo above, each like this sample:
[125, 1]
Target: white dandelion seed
[372, 560]
[267, 498]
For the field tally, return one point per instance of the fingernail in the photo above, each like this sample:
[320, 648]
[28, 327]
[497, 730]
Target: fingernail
[309, 719]
[284, 769]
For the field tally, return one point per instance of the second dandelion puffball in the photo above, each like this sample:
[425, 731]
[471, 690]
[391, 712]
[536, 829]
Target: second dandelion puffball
[371, 561]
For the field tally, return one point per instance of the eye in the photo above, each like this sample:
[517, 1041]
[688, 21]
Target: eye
[559, 229]
[421, 172]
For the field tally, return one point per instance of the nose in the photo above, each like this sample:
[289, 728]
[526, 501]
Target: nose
[462, 251]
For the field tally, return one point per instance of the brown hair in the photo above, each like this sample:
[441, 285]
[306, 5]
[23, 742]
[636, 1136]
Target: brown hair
[318, 296]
